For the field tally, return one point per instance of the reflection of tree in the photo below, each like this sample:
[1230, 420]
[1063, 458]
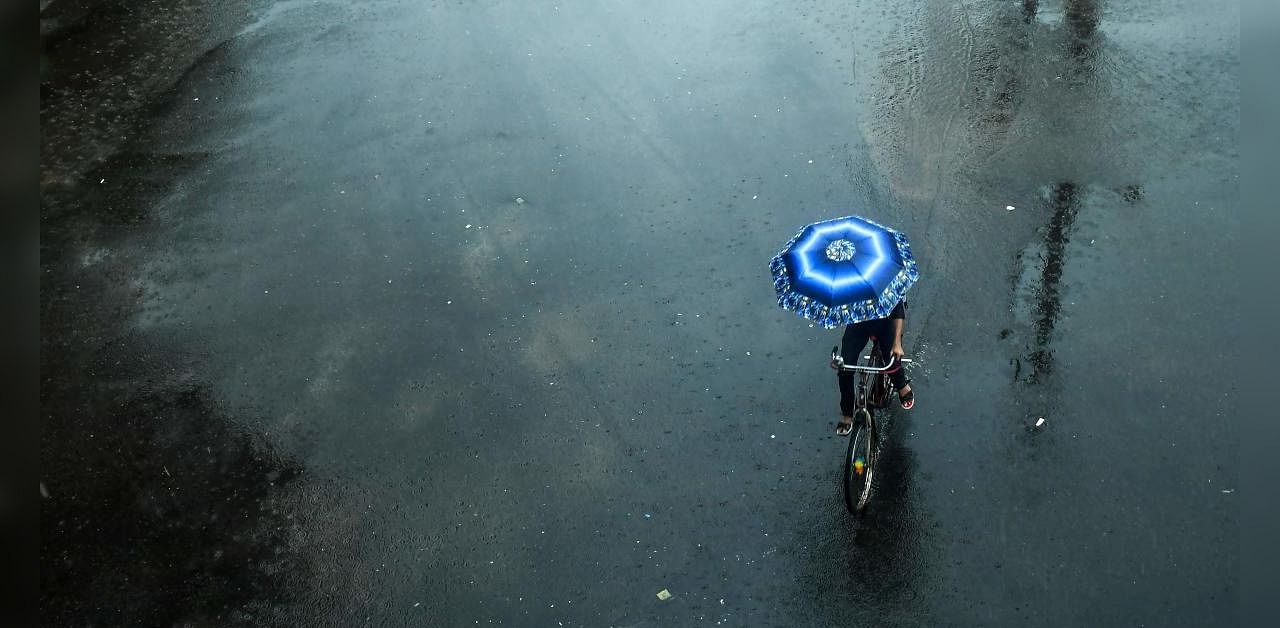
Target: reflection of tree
[1081, 17]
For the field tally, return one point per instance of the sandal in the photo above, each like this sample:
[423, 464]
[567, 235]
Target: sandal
[908, 400]
[844, 429]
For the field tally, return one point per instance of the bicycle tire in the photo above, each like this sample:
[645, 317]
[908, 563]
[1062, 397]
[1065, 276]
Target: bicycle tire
[862, 447]
[878, 384]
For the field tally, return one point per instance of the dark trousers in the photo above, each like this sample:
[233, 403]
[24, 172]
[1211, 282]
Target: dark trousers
[851, 346]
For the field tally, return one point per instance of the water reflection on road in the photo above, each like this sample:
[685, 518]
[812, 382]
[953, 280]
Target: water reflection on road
[486, 284]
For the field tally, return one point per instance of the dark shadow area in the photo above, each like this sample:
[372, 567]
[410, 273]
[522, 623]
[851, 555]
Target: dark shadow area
[158, 507]
[130, 183]
[106, 68]
[157, 511]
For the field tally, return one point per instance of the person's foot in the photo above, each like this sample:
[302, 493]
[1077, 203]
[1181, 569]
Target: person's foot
[906, 397]
[844, 426]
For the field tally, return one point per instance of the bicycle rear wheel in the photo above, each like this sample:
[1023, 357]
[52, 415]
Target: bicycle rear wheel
[859, 462]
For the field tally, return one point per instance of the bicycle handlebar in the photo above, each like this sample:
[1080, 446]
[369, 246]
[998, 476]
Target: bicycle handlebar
[837, 362]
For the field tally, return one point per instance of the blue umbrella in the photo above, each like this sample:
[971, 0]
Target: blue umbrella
[843, 271]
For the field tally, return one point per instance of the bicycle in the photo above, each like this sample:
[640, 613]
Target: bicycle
[864, 442]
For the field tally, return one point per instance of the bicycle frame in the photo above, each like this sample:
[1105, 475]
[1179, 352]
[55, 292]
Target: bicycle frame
[864, 372]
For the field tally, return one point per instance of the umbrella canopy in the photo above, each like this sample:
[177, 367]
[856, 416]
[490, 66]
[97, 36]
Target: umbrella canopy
[843, 271]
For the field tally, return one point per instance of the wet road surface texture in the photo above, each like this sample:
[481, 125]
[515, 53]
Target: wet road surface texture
[447, 313]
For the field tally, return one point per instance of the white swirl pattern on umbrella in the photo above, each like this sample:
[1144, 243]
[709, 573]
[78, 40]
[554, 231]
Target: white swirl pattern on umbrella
[841, 250]
[819, 233]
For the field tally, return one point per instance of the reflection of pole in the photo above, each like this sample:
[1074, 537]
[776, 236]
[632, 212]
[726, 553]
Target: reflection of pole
[1081, 17]
[1065, 204]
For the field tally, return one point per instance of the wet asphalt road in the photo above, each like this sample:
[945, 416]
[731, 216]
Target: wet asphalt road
[403, 313]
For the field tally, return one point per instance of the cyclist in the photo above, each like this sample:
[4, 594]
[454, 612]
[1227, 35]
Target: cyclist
[851, 346]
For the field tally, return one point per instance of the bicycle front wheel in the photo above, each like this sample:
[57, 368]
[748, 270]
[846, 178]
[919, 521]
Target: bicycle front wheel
[859, 462]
